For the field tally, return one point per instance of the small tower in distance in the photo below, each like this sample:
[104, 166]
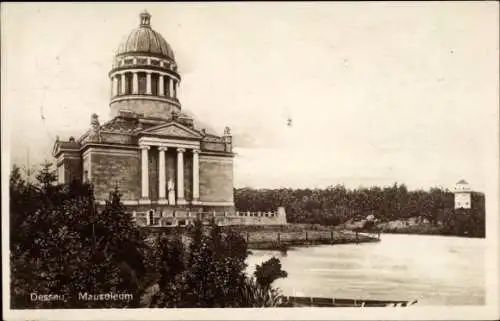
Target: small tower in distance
[462, 191]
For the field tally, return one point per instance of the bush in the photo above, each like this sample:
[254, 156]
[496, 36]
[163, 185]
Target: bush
[61, 243]
[214, 273]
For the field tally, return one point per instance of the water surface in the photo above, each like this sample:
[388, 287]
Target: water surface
[435, 270]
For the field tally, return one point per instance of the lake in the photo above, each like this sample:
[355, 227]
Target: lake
[435, 270]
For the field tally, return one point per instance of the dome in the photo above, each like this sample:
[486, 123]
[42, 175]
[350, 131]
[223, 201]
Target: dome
[145, 40]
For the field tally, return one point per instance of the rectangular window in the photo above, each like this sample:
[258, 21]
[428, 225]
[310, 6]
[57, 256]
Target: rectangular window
[166, 86]
[154, 84]
[142, 83]
[60, 174]
[128, 83]
[119, 85]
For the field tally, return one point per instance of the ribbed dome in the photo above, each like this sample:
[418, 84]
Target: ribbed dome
[144, 40]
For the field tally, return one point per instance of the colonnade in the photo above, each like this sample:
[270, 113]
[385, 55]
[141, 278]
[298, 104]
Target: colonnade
[168, 196]
[166, 85]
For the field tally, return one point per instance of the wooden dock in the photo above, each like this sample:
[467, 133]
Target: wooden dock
[295, 301]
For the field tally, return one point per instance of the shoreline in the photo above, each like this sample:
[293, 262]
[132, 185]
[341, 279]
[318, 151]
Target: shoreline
[271, 240]
[431, 233]
[300, 243]
[282, 237]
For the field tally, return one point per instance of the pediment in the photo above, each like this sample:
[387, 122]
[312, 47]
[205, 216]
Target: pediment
[172, 129]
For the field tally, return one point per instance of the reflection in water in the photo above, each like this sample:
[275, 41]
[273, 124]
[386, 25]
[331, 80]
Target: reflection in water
[435, 270]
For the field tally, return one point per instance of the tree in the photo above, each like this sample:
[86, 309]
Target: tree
[215, 275]
[336, 205]
[46, 177]
[62, 244]
[268, 272]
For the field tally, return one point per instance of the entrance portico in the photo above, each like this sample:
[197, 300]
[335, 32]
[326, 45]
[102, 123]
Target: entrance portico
[176, 194]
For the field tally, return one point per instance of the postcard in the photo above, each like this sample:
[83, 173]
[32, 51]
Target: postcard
[250, 161]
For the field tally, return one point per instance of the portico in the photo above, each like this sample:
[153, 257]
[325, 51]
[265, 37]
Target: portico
[168, 193]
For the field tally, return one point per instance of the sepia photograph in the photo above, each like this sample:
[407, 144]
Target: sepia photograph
[250, 160]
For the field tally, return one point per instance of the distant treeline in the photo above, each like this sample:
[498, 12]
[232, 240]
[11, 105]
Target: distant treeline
[337, 205]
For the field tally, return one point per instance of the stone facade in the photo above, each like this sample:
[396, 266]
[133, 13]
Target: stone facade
[145, 106]
[153, 152]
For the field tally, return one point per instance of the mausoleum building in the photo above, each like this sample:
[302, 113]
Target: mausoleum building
[160, 157]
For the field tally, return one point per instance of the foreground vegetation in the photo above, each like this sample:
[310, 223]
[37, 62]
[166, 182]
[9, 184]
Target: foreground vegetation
[337, 205]
[62, 246]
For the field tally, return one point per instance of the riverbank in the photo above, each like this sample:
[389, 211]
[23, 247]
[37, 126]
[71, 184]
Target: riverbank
[281, 237]
[413, 225]
[270, 240]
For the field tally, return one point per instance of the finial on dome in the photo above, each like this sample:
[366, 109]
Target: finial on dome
[145, 18]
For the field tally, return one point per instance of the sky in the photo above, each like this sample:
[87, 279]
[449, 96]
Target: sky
[376, 92]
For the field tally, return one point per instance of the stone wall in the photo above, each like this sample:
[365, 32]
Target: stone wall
[152, 108]
[178, 217]
[216, 179]
[220, 147]
[118, 138]
[72, 169]
[112, 167]
[69, 167]
[86, 165]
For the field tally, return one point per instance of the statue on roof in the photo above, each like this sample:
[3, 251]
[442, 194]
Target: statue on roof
[227, 131]
[175, 115]
[95, 129]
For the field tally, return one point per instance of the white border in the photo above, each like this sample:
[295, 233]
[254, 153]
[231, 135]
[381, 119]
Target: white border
[489, 311]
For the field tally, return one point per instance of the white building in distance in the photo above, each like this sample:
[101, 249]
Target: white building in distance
[462, 191]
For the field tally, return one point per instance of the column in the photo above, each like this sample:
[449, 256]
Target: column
[124, 83]
[135, 83]
[112, 89]
[162, 179]
[161, 85]
[196, 176]
[115, 85]
[174, 88]
[148, 83]
[144, 174]
[180, 176]
[171, 85]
